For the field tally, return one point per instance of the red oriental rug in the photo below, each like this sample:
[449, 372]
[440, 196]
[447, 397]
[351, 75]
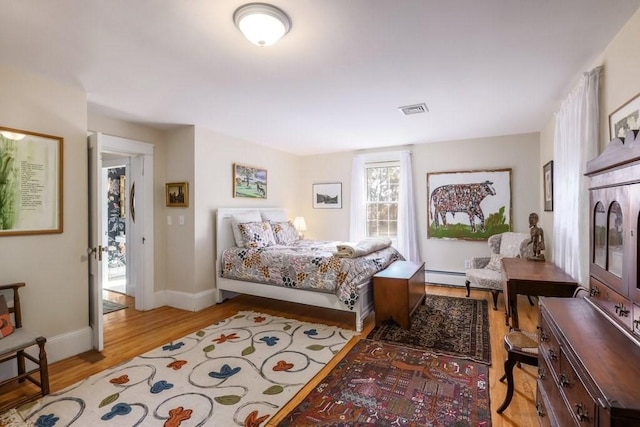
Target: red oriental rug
[379, 384]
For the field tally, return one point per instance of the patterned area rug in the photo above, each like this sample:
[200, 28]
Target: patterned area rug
[239, 371]
[110, 306]
[444, 325]
[378, 384]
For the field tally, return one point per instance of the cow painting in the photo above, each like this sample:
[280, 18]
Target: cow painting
[465, 198]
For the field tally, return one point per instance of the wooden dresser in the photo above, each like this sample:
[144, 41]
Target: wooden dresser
[589, 359]
[588, 368]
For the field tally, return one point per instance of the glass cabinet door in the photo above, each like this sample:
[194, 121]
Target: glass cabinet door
[615, 240]
[600, 235]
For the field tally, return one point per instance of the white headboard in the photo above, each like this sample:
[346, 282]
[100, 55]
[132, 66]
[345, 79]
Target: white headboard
[224, 234]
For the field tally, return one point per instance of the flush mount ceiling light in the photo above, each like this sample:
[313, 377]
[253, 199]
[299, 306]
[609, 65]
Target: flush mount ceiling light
[262, 24]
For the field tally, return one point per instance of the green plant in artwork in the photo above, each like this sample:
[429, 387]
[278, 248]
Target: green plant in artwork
[8, 184]
[495, 223]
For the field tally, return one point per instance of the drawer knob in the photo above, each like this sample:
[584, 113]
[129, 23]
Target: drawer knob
[552, 354]
[543, 336]
[636, 324]
[582, 412]
[542, 373]
[621, 310]
[540, 410]
[594, 291]
[564, 381]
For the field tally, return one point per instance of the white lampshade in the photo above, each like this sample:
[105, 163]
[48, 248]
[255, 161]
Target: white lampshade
[262, 24]
[299, 223]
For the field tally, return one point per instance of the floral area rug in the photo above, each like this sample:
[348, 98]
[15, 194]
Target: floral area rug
[378, 384]
[239, 371]
[444, 325]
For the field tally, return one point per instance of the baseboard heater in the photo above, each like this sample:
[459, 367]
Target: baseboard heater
[450, 278]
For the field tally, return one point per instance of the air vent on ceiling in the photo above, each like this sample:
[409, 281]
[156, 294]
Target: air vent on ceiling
[414, 109]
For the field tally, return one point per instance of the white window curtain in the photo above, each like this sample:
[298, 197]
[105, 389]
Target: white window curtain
[358, 219]
[576, 142]
[407, 234]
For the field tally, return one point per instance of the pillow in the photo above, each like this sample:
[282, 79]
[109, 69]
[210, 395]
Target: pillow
[256, 234]
[277, 215]
[495, 263]
[249, 216]
[6, 327]
[285, 232]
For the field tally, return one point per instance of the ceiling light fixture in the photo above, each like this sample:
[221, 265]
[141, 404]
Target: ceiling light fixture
[262, 24]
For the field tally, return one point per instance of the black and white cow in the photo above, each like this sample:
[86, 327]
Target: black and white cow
[461, 198]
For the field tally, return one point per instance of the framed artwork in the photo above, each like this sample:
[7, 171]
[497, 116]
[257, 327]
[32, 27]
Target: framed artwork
[468, 205]
[327, 195]
[625, 118]
[547, 174]
[249, 181]
[31, 171]
[177, 194]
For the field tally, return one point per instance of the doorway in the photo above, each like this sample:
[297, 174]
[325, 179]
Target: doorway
[115, 218]
[123, 251]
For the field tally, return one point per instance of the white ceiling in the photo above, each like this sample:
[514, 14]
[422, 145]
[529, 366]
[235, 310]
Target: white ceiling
[334, 83]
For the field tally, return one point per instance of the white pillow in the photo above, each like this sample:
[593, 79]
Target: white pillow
[241, 218]
[274, 216]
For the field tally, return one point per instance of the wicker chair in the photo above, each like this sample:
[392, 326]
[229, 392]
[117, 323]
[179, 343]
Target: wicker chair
[485, 272]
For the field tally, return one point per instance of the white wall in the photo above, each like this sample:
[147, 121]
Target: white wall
[54, 266]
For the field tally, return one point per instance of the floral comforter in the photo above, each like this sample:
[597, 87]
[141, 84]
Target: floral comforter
[307, 264]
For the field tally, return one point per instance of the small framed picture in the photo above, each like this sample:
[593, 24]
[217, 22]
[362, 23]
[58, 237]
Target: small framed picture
[249, 181]
[625, 118]
[177, 194]
[327, 195]
[547, 175]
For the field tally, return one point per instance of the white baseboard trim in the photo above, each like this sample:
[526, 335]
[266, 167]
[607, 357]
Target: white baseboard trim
[58, 348]
[452, 278]
[185, 300]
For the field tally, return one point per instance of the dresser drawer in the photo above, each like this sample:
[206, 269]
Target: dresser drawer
[617, 306]
[549, 347]
[556, 412]
[582, 405]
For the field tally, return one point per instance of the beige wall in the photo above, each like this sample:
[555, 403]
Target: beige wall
[54, 266]
[215, 154]
[521, 153]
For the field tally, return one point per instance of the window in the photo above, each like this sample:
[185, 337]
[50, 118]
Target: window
[383, 188]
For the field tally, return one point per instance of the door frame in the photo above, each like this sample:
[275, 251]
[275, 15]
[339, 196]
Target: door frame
[140, 155]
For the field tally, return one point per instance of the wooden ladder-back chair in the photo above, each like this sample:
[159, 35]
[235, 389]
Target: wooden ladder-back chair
[14, 346]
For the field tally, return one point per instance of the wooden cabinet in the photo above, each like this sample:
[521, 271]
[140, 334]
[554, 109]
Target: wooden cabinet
[397, 292]
[588, 370]
[614, 218]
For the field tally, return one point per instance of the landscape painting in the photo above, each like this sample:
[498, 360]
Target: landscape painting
[469, 205]
[249, 181]
[327, 196]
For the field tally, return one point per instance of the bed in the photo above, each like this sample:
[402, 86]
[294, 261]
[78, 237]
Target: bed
[360, 302]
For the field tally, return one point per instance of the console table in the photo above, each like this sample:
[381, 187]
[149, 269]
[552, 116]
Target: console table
[523, 277]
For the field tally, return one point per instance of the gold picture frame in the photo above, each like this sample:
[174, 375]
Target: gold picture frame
[31, 187]
[177, 194]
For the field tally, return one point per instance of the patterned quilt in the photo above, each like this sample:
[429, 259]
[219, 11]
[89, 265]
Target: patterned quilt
[307, 264]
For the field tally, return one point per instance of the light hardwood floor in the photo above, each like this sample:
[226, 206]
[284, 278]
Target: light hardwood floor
[129, 333]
